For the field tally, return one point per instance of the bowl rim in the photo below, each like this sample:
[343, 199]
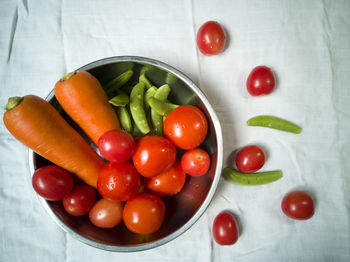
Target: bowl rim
[217, 175]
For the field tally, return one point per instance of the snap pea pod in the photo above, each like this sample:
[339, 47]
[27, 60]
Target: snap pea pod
[135, 132]
[144, 79]
[251, 179]
[124, 118]
[157, 119]
[119, 81]
[161, 107]
[274, 122]
[149, 93]
[137, 109]
[122, 99]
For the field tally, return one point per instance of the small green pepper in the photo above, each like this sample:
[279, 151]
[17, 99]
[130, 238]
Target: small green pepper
[274, 122]
[161, 107]
[118, 82]
[136, 108]
[251, 179]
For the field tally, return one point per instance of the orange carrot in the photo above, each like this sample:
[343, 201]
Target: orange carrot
[39, 126]
[84, 100]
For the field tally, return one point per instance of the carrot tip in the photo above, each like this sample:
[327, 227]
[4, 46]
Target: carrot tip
[67, 76]
[13, 102]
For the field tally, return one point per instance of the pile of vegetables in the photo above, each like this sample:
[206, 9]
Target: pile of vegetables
[137, 131]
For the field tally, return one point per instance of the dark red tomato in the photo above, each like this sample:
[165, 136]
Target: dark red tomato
[298, 205]
[80, 200]
[211, 38]
[168, 183]
[52, 182]
[186, 126]
[250, 159]
[106, 213]
[153, 155]
[144, 213]
[225, 228]
[261, 81]
[195, 162]
[118, 181]
[116, 145]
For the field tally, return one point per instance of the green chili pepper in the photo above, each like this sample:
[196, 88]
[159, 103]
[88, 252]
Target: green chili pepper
[144, 79]
[137, 109]
[124, 118]
[149, 93]
[251, 179]
[122, 99]
[157, 119]
[118, 82]
[274, 122]
[161, 107]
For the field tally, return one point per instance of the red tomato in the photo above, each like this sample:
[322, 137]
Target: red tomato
[186, 126]
[144, 213]
[250, 159]
[153, 155]
[211, 38]
[195, 162]
[52, 182]
[106, 213]
[116, 145]
[168, 183]
[261, 81]
[80, 200]
[298, 205]
[118, 181]
[225, 228]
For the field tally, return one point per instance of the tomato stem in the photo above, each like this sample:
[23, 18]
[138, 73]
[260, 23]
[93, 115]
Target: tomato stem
[13, 102]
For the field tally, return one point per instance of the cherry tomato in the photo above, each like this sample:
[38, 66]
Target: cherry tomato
[298, 205]
[186, 126]
[52, 182]
[261, 81]
[211, 38]
[195, 162]
[144, 213]
[168, 183]
[250, 159]
[118, 181]
[116, 145]
[153, 155]
[80, 200]
[106, 213]
[225, 228]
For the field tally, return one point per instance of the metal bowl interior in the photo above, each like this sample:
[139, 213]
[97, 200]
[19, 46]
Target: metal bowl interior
[183, 209]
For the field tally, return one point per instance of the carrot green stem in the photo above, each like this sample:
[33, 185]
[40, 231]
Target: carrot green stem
[67, 76]
[13, 102]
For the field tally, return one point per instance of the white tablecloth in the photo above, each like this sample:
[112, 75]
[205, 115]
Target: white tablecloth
[306, 43]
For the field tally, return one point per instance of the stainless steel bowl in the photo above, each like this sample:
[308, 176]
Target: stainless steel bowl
[182, 210]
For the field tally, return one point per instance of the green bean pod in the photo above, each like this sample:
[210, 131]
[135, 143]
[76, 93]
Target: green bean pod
[161, 107]
[149, 93]
[118, 82]
[145, 80]
[122, 99]
[124, 118]
[275, 123]
[137, 109]
[252, 179]
[157, 119]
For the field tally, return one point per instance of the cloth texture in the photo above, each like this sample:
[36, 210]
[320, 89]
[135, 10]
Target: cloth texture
[307, 45]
